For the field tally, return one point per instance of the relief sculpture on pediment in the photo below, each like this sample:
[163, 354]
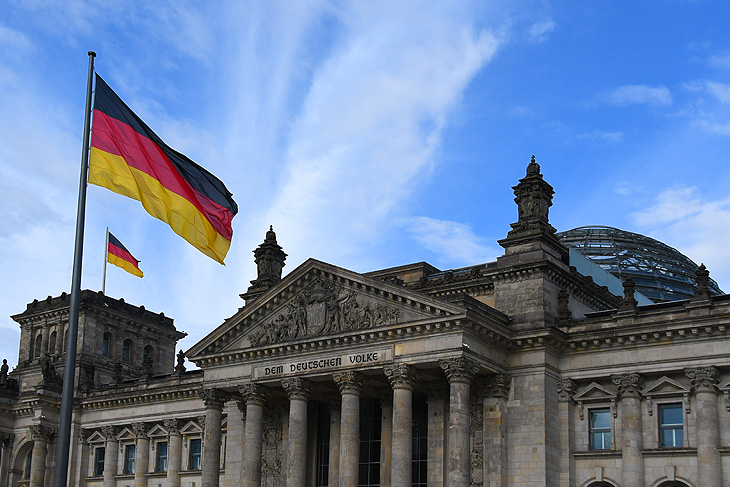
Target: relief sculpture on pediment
[321, 308]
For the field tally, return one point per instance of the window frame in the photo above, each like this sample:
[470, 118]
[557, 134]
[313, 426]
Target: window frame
[159, 457]
[106, 344]
[602, 431]
[127, 350]
[662, 426]
[97, 461]
[192, 454]
[129, 461]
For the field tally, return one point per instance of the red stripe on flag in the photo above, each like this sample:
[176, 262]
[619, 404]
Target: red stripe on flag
[122, 254]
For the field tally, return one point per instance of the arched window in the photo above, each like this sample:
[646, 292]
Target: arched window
[106, 343]
[28, 462]
[127, 350]
[52, 342]
[38, 345]
[148, 353]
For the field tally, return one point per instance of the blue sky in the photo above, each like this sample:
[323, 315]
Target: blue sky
[369, 134]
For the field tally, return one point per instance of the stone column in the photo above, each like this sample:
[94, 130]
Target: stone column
[111, 454]
[386, 437]
[254, 395]
[402, 379]
[298, 391]
[81, 459]
[174, 452]
[333, 476]
[566, 389]
[350, 385]
[632, 463]
[6, 444]
[40, 435]
[234, 444]
[214, 399]
[460, 372]
[141, 454]
[436, 433]
[709, 462]
[496, 393]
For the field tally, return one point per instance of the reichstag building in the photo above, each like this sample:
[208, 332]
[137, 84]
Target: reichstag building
[543, 368]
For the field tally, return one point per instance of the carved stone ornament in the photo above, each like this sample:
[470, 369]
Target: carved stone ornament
[349, 382]
[459, 369]
[172, 426]
[109, 432]
[39, 432]
[629, 384]
[297, 388]
[496, 386]
[322, 307]
[401, 376]
[629, 303]
[702, 293]
[81, 435]
[534, 197]
[704, 379]
[140, 430]
[180, 367]
[214, 398]
[7, 439]
[253, 394]
[563, 305]
[566, 388]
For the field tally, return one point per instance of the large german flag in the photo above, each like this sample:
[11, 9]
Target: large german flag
[117, 254]
[128, 158]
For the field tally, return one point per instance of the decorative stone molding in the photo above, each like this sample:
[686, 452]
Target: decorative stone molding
[39, 432]
[704, 379]
[6, 439]
[172, 426]
[629, 303]
[297, 388]
[595, 394]
[140, 430]
[180, 367]
[401, 376]
[214, 398]
[459, 369]
[702, 293]
[82, 435]
[628, 384]
[253, 394]
[349, 382]
[109, 432]
[497, 385]
[566, 388]
[201, 422]
[665, 388]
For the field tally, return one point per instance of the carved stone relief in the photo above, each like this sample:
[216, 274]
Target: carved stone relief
[271, 453]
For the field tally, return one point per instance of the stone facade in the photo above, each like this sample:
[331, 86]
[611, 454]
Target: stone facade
[519, 372]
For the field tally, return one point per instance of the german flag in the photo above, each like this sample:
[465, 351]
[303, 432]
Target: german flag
[128, 158]
[118, 255]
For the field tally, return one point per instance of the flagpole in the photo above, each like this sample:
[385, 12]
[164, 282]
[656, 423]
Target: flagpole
[60, 473]
[106, 251]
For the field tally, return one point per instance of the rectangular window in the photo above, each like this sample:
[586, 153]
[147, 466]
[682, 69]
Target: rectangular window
[194, 459]
[129, 452]
[369, 465]
[671, 426]
[161, 457]
[323, 445]
[99, 454]
[599, 429]
[420, 440]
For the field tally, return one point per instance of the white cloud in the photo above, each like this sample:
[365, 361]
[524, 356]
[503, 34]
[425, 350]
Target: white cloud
[538, 32]
[696, 226]
[14, 41]
[639, 94]
[714, 127]
[601, 136]
[453, 243]
[720, 61]
[721, 91]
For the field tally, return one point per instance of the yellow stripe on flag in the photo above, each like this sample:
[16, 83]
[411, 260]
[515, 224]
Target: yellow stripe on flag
[124, 264]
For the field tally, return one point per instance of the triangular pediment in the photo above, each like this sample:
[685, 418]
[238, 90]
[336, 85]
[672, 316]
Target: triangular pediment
[191, 428]
[724, 385]
[157, 431]
[594, 392]
[318, 300]
[125, 434]
[665, 386]
[96, 437]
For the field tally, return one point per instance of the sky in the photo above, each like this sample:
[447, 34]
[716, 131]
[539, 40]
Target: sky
[369, 134]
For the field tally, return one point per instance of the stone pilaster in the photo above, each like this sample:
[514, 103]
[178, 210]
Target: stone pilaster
[141, 454]
[333, 477]
[436, 398]
[80, 459]
[6, 449]
[111, 455]
[632, 463]
[174, 452]
[566, 413]
[254, 395]
[350, 385]
[234, 443]
[41, 436]
[496, 392]
[298, 391]
[459, 372]
[402, 380]
[214, 399]
[709, 462]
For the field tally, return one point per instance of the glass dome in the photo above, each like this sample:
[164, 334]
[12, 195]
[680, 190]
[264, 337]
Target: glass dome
[660, 272]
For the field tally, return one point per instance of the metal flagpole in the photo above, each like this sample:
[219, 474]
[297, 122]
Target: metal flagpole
[60, 472]
[106, 257]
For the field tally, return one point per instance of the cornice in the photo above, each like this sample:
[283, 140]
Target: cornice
[136, 396]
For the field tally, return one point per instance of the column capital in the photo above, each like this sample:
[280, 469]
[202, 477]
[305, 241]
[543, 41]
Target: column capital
[172, 426]
[140, 430]
[7, 439]
[566, 389]
[349, 382]
[459, 369]
[214, 398]
[704, 379]
[297, 388]
[109, 432]
[629, 384]
[496, 385]
[253, 394]
[401, 376]
[39, 432]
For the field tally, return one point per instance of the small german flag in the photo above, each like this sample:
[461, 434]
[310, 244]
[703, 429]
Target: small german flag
[118, 255]
[128, 158]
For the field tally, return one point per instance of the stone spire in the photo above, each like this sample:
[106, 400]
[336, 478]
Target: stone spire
[702, 293]
[269, 258]
[534, 197]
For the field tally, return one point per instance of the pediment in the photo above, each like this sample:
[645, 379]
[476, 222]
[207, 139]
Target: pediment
[125, 434]
[318, 300]
[594, 392]
[96, 437]
[191, 428]
[157, 431]
[665, 386]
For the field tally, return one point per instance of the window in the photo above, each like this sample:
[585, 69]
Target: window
[106, 344]
[420, 440]
[671, 426]
[161, 457]
[28, 463]
[52, 343]
[38, 345]
[194, 458]
[369, 465]
[129, 451]
[323, 445]
[99, 454]
[127, 350]
[599, 429]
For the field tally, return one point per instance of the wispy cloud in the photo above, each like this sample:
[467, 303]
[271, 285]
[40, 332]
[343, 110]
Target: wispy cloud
[454, 244]
[639, 95]
[601, 136]
[539, 31]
